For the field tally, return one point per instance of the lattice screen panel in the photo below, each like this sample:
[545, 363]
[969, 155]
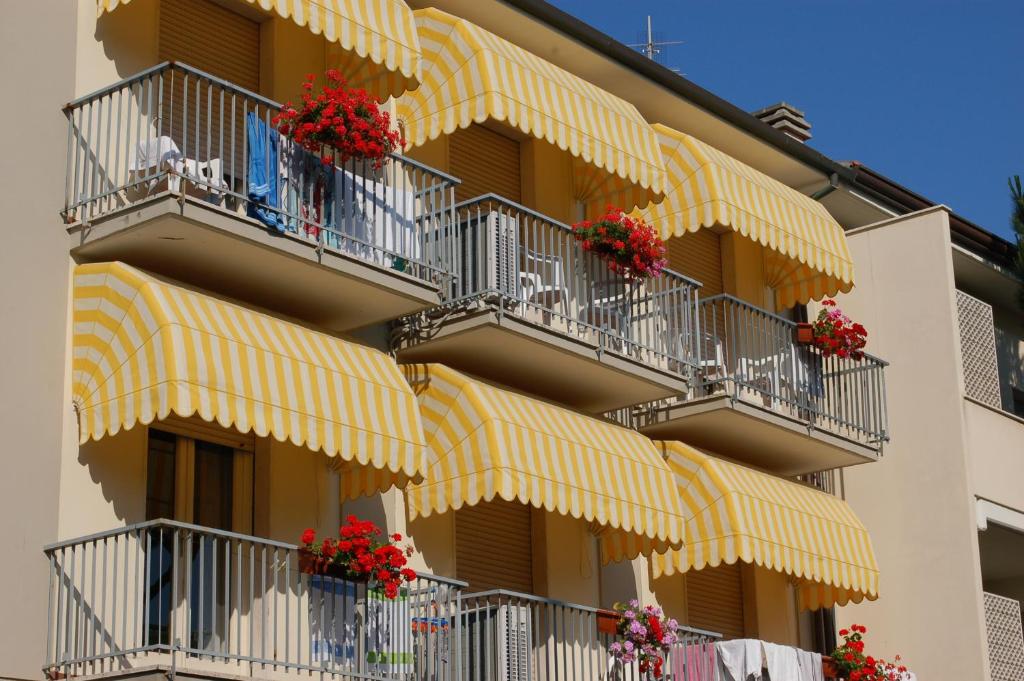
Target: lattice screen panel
[1005, 639]
[978, 348]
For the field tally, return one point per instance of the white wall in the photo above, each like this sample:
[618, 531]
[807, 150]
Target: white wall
[917, 502]
[37, 44]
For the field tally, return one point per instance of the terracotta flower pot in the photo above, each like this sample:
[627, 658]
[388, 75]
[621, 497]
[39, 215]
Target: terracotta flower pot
[607, 622]
[828, 668]
[804, 333]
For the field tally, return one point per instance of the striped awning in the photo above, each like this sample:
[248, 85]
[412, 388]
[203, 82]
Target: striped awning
[471, 75]
[806, 254]
[380, 31]
[486, 442]
[736, 513]
[145, 348]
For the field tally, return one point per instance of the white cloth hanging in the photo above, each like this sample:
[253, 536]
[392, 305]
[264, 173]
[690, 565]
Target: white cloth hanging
[741, 659]
[782, 662]
[810, 666]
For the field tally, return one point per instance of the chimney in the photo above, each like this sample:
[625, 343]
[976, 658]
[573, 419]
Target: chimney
[786, 118]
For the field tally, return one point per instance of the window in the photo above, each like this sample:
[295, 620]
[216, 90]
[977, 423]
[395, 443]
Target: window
[1017, 395]
[160, 475]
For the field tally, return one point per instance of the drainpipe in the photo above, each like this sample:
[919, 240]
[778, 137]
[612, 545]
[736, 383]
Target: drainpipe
[833, 184]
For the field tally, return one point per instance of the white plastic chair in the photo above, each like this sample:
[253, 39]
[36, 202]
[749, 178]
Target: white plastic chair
[543, 281]
[160, 155]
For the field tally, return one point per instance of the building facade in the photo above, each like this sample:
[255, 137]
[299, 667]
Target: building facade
[942, 295]
[217, 341]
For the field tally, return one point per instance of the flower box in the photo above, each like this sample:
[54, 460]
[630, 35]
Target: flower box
[607, 622]
[828, 668]
[362, 553]
[312, 564]
[804, 334]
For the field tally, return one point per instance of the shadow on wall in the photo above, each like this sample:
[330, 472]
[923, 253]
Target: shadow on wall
[117, 464]
[129, 36]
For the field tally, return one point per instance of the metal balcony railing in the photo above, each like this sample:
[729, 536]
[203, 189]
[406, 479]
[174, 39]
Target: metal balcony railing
[529, 266]
[751, 354]
[195, 595]
[174, 129]
[829, 482]
[508, 636]
[189, 598]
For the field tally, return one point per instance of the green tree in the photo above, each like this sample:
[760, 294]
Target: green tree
[1017, 222]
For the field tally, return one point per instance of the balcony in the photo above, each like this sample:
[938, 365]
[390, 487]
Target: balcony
[765, 400]
[530, 309]
[164, 595]
[183, 174]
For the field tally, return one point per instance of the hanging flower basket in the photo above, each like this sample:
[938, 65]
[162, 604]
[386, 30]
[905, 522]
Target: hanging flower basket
[628, 245]
[645, 637]
[362, 553]
[836, 334]
[339, 123]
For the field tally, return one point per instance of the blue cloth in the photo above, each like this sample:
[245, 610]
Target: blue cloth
[264, 173]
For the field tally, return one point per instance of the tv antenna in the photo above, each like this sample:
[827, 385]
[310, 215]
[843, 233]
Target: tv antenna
[651, 47]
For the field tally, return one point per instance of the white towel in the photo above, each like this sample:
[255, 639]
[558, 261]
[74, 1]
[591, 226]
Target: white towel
[782, 662]
[739, 660]
[810, 666]
[381, 216]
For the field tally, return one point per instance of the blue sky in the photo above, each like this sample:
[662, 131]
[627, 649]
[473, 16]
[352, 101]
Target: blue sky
[928, 92]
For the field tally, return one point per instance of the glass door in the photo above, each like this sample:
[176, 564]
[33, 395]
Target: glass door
[212, 502]
[192, 481]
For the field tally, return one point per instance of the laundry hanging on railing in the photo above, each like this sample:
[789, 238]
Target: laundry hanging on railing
[389, 649]
[374, 220]
[264, 173]
[747, 659]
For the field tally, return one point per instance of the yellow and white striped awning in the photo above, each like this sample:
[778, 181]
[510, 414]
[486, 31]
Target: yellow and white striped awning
[381, 31]
[737, 513]
[806, 254]
[488, 442]
[145, 348]
[471, 75]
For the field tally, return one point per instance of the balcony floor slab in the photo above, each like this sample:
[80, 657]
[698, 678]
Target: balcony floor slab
[527, 356]
[755, 435]
[227, 252]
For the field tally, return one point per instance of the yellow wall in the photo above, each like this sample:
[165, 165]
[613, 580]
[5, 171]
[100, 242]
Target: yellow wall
[288, 52]
[547, 180]
[770, 606]
[743, 268]
[295, 489]
[116, 45]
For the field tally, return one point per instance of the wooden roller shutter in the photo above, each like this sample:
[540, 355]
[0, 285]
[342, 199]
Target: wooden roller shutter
[487, 162]
[494, 547]
[714, 600]
[211, 38]
[698, 255]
